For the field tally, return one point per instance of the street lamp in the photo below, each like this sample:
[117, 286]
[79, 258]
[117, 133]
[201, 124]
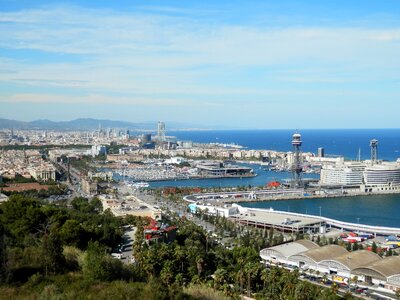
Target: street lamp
[320, 209]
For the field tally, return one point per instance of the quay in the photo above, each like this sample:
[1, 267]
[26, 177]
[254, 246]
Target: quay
[224, 204]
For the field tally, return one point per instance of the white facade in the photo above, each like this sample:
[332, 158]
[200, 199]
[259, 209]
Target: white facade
[225, 210]
[43, 172]
[344, 175]
[98, 150]
[384, 173]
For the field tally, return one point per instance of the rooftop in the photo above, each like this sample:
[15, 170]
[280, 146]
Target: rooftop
[329, 252]
[293, 248]
[357, 259]
[386, 267]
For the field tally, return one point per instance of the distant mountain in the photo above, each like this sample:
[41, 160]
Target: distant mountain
[91, 124]
[5, 123]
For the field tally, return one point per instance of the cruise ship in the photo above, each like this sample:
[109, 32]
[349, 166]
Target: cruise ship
[384, 177]
[367, 176]
[384, 173]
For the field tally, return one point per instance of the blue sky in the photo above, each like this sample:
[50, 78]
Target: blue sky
[236, 64]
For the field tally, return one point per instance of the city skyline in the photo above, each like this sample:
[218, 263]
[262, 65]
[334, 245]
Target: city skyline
[269, 65]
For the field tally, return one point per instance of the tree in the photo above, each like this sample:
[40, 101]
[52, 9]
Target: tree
[251, 270]
[303, 291]
[264, 276]
[220, 276]
[2, 254]
[374, 247]
[179, 256]
[398, 293]
[52, 249]
[200, 265]
[354, 279]
[72, 233]
[355, 246]
[99, 266]
[167, 273]
[20, 217]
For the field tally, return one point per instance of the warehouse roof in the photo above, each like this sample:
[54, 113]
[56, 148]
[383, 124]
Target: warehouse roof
[383, 268]
[292, 248]
[357, 259]
[329, 252]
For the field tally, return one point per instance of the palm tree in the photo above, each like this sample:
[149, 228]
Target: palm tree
[354, 280]
[220, 277]
[398, 293]
[199, 265]
[303, 290]
[325, 278]
[264, 276]
[167, 273]
[179, 255]
[251, 269]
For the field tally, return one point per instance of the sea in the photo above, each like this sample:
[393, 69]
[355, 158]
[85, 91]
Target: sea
[382, 210]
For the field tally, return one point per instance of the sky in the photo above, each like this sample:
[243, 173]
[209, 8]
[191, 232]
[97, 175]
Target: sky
[225, 64]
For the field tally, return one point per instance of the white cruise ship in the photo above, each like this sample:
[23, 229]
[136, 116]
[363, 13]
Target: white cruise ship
[385, 173]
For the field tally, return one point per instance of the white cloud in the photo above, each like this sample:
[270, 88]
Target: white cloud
[91, 99]
[138, 55]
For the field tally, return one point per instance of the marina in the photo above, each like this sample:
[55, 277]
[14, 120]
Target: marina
[159, 176]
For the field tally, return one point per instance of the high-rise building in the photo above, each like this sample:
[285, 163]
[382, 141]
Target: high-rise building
[321, 152]
[161, 131]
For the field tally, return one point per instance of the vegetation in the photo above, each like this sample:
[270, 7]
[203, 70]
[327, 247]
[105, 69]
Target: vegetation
[39, 194]
[56, 252]
[18, 179]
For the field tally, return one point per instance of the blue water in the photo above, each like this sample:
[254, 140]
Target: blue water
[344, 142]
[380, 210]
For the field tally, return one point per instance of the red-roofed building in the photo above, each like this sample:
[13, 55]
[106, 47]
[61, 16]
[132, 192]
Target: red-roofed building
[158, 232]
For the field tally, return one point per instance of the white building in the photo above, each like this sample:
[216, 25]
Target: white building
[98, 150]
[45, 172]
[342, 174]
[225, 210]
[336, 263]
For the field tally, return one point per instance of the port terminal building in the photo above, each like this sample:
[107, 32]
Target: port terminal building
[280, 221]
[219, 169]
[336, 263]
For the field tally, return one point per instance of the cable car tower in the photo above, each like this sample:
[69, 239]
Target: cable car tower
[297, 164]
